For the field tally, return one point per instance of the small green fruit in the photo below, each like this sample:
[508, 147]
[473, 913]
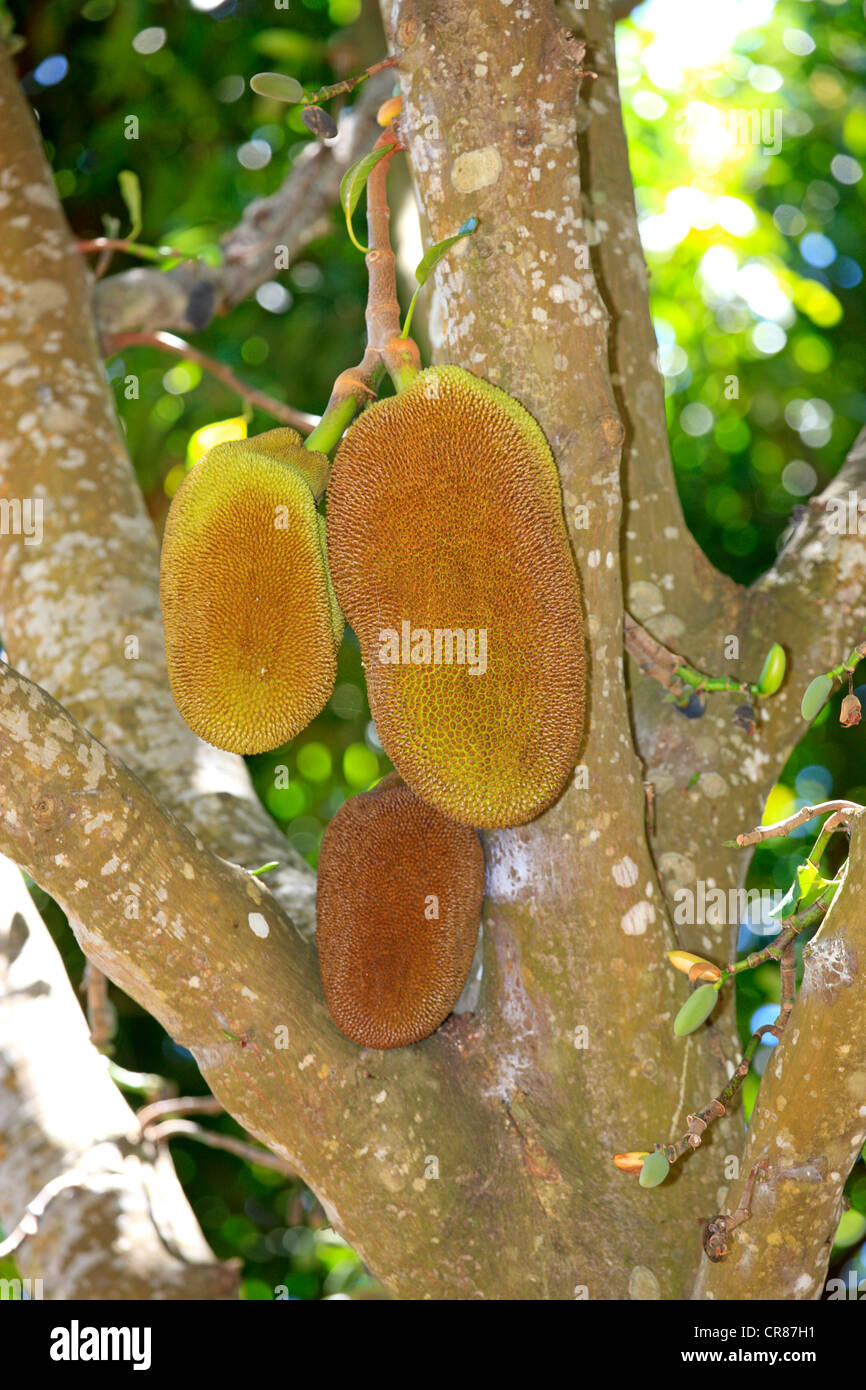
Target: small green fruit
[816, 696]
[695, 1010]
[773, 671]
[656, 1167]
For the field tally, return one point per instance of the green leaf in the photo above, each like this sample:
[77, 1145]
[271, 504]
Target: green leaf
[354, 182]
[773, 671]
[807, 887]
[803, 878]
[816, 696]
[818, 887]
[655, 1168]
[696, 1010]
[433, 255]
[277, 86]
[431, 258]
[130, 192]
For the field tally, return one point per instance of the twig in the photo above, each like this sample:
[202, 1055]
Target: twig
[718, 1106]
[350, 83]
[779, 829]
[675, 673]
[251, 1153]
[33, 1212]
[800, 922]
[756, 958]
[178, 1105]
[133, 248]
[717, 1230]
[788, 973]
[169, 342]
[147, 1082]
[658, 662]
[100, 1016]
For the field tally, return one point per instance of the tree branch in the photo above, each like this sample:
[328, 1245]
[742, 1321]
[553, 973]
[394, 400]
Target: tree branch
[205, 948]
[111, 1220]
[187, 297]
[809, 1121]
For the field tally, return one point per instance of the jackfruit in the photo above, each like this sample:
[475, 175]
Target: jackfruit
[399, 905]
[450, 559]
[252, 626]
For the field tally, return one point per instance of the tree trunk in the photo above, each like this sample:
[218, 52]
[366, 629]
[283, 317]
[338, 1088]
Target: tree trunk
[478, 1163]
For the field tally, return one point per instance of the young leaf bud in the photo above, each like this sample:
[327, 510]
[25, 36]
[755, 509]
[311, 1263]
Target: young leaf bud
[630, 1162]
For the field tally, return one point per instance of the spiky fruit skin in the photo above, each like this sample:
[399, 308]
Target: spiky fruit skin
[251, 624]
[391, 971]
[445, 511]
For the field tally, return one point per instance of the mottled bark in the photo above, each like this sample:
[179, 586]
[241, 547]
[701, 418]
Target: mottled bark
[122, 1227]
[809, 1121]
[569, 1055]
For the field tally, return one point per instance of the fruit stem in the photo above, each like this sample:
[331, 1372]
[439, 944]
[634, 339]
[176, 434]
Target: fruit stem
[400, 355]
[387, 350]
[352, 389]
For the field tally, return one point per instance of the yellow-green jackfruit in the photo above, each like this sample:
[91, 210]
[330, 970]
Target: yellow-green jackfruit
[251, 623]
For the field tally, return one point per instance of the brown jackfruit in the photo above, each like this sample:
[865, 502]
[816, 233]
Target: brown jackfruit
[399, 904]
[445, 517]
[252, 626]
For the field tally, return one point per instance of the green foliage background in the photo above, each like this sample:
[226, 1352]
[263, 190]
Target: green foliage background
[761, 347]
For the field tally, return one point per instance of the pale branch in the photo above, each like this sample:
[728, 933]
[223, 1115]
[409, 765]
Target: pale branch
[87, 1209]
[822, 563]
[701, 773]
[780, 828]
[179, 347]
[189, 295]
[809, 1120]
